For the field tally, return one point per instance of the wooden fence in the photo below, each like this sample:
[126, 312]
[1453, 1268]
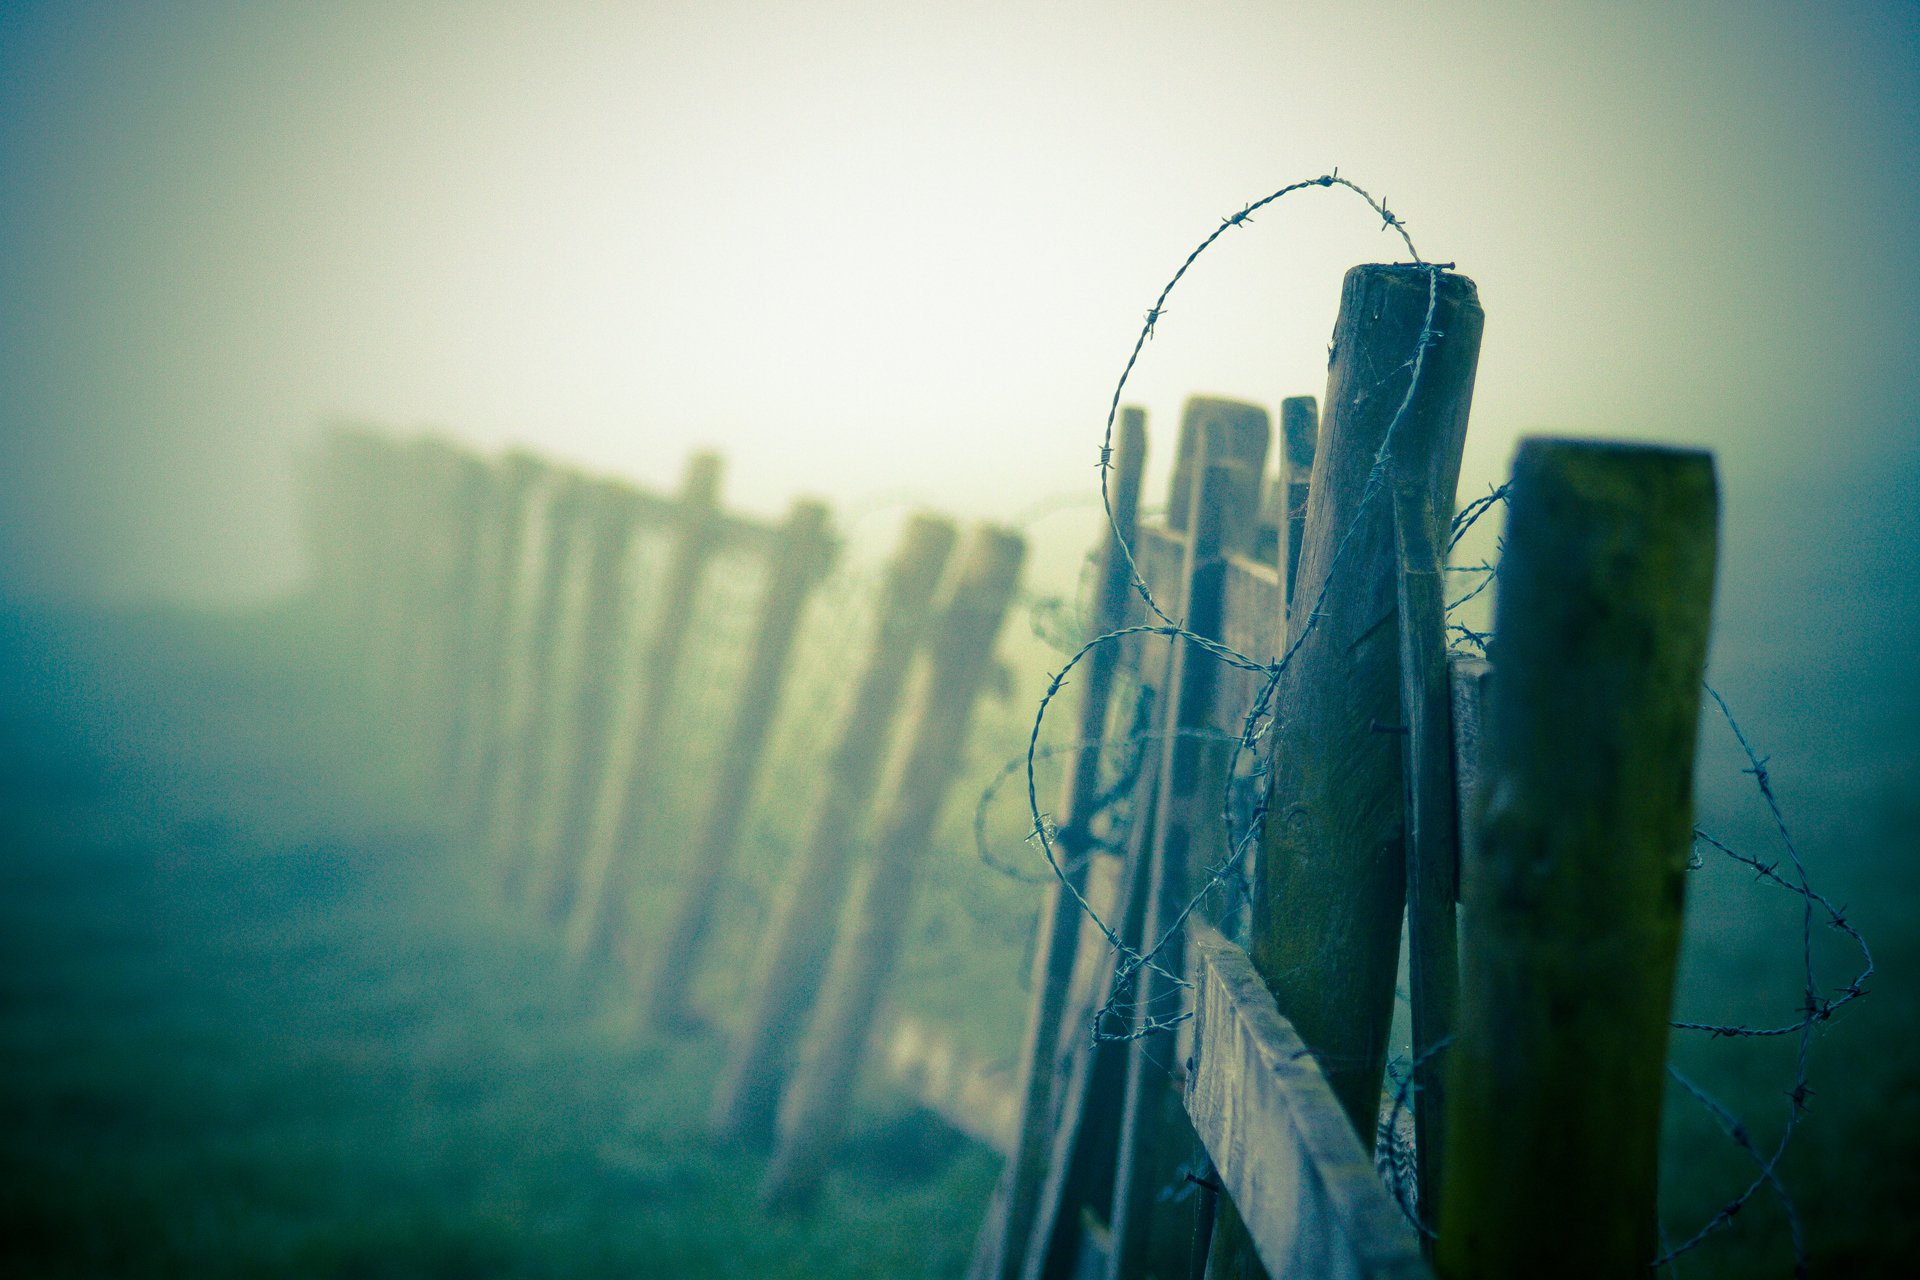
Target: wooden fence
[1215, 1111]
[1514, 832]
[592, 676]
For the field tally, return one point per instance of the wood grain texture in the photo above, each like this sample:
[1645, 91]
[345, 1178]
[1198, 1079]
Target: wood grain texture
[1304, 1188]
[1575, 883]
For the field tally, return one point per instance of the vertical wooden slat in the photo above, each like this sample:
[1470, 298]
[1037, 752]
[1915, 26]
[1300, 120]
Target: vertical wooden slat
[1152, 1233]
[960, 657]
[1420, 517]
[470, 486]
[517, 481]
[998, 1252]
[800, 937]
[586, 726]
[603, 889]
[1299, 440]
[805, 553]
[1575, 891]
[539, 695]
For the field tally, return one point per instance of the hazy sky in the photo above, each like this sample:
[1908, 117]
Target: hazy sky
[892, 247]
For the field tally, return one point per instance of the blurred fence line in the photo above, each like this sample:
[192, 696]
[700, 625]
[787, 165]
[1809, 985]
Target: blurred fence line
[1294, 784]
[604, 683]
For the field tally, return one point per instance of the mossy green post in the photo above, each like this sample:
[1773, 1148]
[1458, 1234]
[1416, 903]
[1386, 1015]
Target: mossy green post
[1575, 887]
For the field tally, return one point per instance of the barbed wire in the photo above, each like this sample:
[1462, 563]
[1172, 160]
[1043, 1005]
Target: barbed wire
[1137, 1020]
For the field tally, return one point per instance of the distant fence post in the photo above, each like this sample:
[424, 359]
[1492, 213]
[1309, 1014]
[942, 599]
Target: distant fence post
[603, 890]
[586, 725]
[518, 785]
[1330, 882]
[1574, 893]
[805, 553]
[428, 546]
[517, 478]
[800, 936]
[1152, 1233]
[960, 656]
[469, 486]
[998, 1252]
[1299, 440]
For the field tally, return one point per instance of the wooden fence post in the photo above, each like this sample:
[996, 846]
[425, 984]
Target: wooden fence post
[800, 937]
[998, 1252]
[1299, 439]
[431, 536]
[586, 725]
[1151, 1233]
[806, 552]
[603, 890]
[1330, 883]
[468, 488]
[537, 698]
[516, 480]
[1574, 897]
[960, 657]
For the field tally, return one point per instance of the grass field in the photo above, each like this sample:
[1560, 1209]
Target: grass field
[253, 1023]
[258, 1017]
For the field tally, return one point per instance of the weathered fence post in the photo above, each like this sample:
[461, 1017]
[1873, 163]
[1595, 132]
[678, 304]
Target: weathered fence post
[431, 545]
[603, 890]
[1330, 882]
[469, 486]
[1151, 1232]
[1003, 1237]
[1574, 893]
[516, 480]
[1299, 438]
[805, 553]
[521, 777]
[587, 723]
[960, 656]
[800, 937]
[392, 500]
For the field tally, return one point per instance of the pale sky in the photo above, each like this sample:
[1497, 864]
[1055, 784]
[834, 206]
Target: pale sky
[874, 249]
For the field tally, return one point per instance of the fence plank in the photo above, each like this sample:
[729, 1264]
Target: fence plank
[800, 937]
[586, 727]
[1009, 1222]
[1330, 880]
[1080, 1165]
[516, 482]
[1151, 1232]
[1305, 1189]
[1469, 677]
[801, 558]
[604, 887]
[538, 697]
[960, 658]
[1575, 889]
[1421, 512]
[1299, 441]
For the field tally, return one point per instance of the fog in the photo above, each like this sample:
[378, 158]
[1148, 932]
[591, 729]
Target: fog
[895, 255]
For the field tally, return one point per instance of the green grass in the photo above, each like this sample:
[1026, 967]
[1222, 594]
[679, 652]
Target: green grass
[254, 1021]
[260, 1016]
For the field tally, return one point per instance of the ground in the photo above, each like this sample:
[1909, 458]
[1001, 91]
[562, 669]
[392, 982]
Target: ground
[258, 1015]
